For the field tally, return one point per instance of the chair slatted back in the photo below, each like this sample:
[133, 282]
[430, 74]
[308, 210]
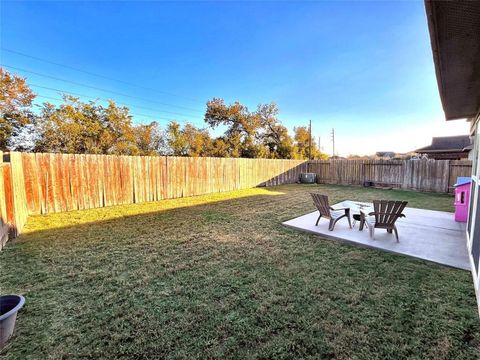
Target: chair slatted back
[387, 212]
[322, 204]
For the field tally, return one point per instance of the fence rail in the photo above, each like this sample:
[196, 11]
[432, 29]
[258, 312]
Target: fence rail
[38, 183]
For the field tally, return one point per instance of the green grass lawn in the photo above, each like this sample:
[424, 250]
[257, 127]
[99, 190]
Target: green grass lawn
[218, 276]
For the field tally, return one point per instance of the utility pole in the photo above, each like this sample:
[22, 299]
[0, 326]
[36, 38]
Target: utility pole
[333, 142]
[319, 147]
[310, 140]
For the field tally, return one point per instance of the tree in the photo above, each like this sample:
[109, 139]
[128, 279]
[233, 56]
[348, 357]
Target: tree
[242, 127]
[16, 99]
[79, 127]
[75, 126]
[118, 135]
[188, 141]
[250, 134]
[149, 138]
[302, 143]
[219, 148]
[176, 140]
[274, 136]
[199, 141]
[72, 127]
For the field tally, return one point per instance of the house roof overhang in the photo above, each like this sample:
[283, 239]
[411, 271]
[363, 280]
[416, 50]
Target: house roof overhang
[426, 151]
[454, 28]
[457, 143]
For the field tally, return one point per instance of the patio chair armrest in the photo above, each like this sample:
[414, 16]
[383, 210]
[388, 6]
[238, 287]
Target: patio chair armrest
[366, 210]
[339, 209]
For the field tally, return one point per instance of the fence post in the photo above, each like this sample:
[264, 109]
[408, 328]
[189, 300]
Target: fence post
[447, 185]
[407, 173]
[18, 193]
[4, 228]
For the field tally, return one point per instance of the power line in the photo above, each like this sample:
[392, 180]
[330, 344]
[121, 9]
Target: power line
[94, 74]
[131, 113]
[135, 114]
[104, 99]
[97, 88]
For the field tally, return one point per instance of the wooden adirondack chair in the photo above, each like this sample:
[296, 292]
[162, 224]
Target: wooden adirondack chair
[326, 211]
[384, 216]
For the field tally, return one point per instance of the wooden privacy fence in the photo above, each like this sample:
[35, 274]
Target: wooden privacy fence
[13, 202]
[47, 183]
[420, 175]
[64, 182]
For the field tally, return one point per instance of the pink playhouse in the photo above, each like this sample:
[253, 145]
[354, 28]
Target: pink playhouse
[462, 198]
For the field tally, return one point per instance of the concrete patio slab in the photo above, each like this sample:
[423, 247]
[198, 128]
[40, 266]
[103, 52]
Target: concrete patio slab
[424, 234]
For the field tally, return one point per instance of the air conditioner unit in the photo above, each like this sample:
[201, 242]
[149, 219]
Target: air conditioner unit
[308, 178]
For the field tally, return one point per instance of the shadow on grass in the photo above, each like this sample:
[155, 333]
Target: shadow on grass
[222, 278]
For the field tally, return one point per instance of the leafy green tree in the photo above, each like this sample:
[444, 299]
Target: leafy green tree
[16, 116]
[242, 127]
[75, 126]
[219, 148]
[301, 138]
[72, 127]
[117, 135]
[149, 138]
[189, 140]
[274, 135]
[250, 134]
[86, 127]
[176, 140]
[199, 141]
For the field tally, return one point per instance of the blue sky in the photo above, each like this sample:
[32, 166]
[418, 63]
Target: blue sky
[364, 68]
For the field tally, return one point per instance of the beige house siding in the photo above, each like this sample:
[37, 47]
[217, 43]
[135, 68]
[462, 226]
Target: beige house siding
[473, 225]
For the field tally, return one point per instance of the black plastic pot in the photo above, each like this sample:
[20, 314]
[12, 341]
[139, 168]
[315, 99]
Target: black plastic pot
[9, 306]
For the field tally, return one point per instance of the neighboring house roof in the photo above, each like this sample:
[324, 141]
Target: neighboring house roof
[454, 28]
[385, 153]
[447, 144]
